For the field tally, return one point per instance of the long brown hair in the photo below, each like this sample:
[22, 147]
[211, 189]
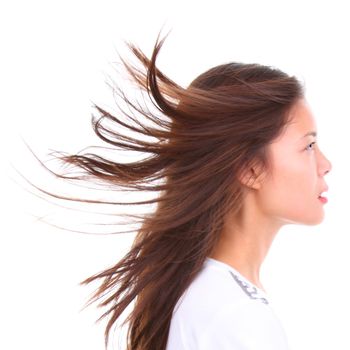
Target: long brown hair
[198, 141]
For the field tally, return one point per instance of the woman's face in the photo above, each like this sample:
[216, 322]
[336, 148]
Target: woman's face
[298, 169]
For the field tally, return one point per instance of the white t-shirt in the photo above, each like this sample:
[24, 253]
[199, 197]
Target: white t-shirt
[222, 310]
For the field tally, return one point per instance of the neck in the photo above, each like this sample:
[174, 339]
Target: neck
[244, 244]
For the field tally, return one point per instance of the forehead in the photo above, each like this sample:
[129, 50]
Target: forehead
[302, 114]
[302, 122]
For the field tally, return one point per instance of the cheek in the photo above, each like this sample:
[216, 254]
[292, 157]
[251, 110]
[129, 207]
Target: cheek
[290, 193]
[281, 192]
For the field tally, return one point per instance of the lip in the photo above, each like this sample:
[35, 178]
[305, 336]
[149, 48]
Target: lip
[325, 189]
[323, 199]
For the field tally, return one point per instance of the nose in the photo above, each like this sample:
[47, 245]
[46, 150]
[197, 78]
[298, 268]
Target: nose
[326, 165]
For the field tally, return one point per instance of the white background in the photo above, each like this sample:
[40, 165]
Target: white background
[55, 56]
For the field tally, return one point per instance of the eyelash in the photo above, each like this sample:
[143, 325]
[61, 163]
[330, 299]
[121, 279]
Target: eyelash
[310, 145]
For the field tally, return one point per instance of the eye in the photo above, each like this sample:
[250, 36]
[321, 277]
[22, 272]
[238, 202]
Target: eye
[307, 148]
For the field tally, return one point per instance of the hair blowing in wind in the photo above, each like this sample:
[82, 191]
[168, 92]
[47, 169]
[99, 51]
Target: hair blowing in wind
[197, 142]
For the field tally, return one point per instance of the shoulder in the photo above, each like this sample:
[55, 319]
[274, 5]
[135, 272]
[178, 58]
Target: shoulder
[216, 312]
[216, 285]
[212, 288]
[248, 324]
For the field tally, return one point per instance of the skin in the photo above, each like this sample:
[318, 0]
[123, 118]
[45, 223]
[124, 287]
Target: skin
[288, 196]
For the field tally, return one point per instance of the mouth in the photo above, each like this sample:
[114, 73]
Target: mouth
[321, 197]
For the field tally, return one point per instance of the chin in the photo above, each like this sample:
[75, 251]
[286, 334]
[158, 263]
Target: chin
[315, 220]
[311, 220]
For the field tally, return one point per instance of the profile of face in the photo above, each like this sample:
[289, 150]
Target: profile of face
[291, 194]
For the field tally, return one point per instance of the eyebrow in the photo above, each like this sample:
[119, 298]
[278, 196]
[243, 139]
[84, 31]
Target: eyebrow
[310, 133]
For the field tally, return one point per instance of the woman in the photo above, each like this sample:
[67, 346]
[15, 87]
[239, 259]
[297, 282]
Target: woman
[232, 158]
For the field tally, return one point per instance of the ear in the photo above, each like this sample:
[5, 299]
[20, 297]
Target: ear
[252, 177]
